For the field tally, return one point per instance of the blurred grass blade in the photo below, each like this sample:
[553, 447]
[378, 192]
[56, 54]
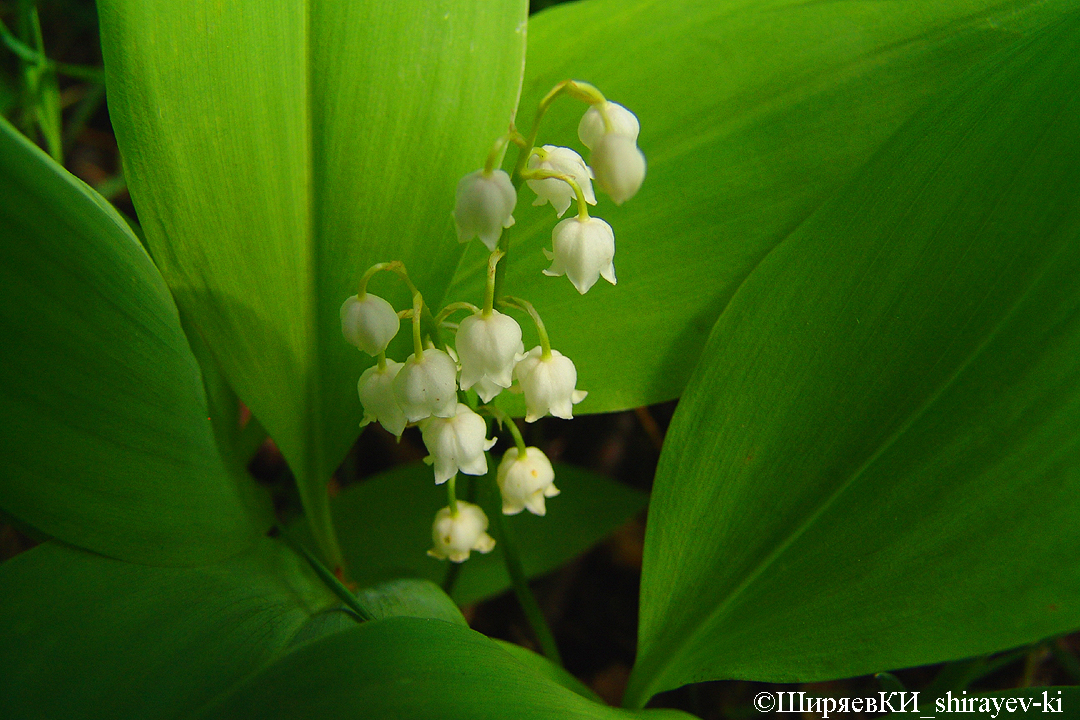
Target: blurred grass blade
[276, 150]
[106, 441]
[753, 112]
[876, 464]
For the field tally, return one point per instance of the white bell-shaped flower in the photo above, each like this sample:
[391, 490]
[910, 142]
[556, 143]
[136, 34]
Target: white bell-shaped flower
[548, 384]
[377, 396]
[592, 127]
[369, 322]
[583, 250]
[525, 480]
[484, 206]
[488, 346]
[454, 536]
[427, 386]
[565, 162]
[618, 166]
[456, 443]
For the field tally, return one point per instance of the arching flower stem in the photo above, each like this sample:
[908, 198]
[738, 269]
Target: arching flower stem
[489, 288]
[525, 305]
[582, 205]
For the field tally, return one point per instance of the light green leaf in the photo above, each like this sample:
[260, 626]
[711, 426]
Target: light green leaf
[276, 150]
[752, 112]
[409, 597]
[385, 526]
[876, 464]
[106, 441]
[83, 636]
[409, 668]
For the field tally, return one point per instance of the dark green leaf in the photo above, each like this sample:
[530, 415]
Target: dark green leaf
[83, 636]
[876, 464]
[106, 440]
[409, 668]
[409, 597]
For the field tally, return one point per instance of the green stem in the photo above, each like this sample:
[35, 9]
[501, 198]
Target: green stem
[418, 308]
[582, 205]
[382, 361]
[327, 577]
[494, 155]
[451, 495]
[524, 595]
[489, 289]
[545, 343]
[577, 90]
[453, 308]
[507, 421]
[28, 54]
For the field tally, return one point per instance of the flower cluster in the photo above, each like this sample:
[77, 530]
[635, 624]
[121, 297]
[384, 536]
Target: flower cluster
[431, 388]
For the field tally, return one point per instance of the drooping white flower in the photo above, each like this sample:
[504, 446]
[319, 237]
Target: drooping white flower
[583, 250]
[369, 322]
[592, 127]
[456, 443]
[618, 166]
[454, 536]
[377, 396]
[548, 384]
[427, 386]
[565, 162]
[525, 480]
[488, 346]
[484, 206]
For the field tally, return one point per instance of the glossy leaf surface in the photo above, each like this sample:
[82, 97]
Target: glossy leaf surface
[409, 668]
[274, 151]
[753, 112]
[83, 636]
[409, 597]
[876, 464]
[106, 440]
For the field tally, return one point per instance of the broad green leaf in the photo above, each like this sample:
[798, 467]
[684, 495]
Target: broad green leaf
[385, 526]
[753, 112]
[542, 666]
[276, 150]
[876, 464]
[106, 440]
[84, 636]
[409, 668]
[410, 597]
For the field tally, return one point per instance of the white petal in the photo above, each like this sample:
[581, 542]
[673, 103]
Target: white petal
[592, 127]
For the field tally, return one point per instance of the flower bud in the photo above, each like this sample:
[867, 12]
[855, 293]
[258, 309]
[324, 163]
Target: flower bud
[559, 193]
[456, 443]
[427, 386]
[583, 250]
[369, 322]
[377, 396]
[454, 536]
[618, 165]
[548, 384]
[488, 345]
[592, 127]
[484, 205]
[525, 481]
